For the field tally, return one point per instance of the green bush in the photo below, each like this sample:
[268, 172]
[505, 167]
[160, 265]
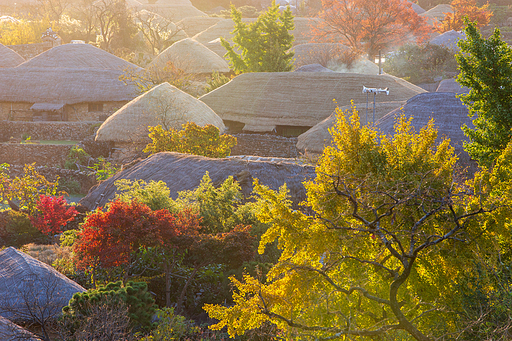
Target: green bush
[216, 81]
[69, 186]
[155, 194]
[172, 327]
[421, 64]
[141, 306]
[76, 157]
[17, 230]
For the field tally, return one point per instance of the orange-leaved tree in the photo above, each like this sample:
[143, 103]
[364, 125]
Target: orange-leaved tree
[461, 9]
[368, 26]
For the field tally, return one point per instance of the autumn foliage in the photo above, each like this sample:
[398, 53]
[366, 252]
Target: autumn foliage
[191, 139]
[462, 9]
[369, 26]
[108, 238]
[52, 214]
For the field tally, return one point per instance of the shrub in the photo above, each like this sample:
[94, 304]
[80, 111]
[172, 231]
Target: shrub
[70, 186]
[104, 169]
[216, 81]
[17, 230]
[172, 327]
[52, 214]
[77, 157]
[421, 64]
[140, 304]
[156, 195]
[192, 139]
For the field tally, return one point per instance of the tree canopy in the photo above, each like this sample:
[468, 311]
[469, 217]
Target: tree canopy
[389, 234]
[369, 26]
[264, 44]
[486, 69]
[464, 9]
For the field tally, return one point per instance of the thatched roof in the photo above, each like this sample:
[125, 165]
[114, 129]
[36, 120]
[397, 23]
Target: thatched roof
[445, 108]
[133, 4]
[312, 68]
[448, 39]
[195, 25]
[78, 56]
[437, 13]
[266, 99]
[417, 8]
[190, 56]
[9, 58]
[165, 105]
[157, 21]
[60, 85]
[174, 10]
[29, 287]
[12, 332]
[451, 85]
[184, 172]
[314, 140]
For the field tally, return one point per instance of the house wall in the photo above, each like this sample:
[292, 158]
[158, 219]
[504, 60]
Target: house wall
[72, 131]
[78, 112]
[42, 155]
[265, 145]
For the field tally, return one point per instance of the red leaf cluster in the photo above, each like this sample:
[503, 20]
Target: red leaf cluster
[51, 214]
[109, 238]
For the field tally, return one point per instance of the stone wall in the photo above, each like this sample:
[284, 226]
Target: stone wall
[265, 145]
[41, 154]
[73, 131]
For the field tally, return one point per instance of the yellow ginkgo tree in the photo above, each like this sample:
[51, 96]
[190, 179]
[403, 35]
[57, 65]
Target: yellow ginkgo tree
[384, 237]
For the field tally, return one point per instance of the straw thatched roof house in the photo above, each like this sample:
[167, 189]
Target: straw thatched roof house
[184, 172]
[195, 25]
[417, 8]
[221, 29]
[448, 39]
[30, 289]
[165, 105]
[61, 94]
[437, 13]
[332, 55]
[312, 68]
[9, 58]
[12, 332]
[445, 108]
[159, 23]
[190, 56]
[315, 139]
[174, 10]
[78, 56]
[293, 102]
[451, 85]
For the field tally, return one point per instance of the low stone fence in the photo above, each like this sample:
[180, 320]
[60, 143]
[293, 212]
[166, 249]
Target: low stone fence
[265, 145]
[74, 131]
[41, 154]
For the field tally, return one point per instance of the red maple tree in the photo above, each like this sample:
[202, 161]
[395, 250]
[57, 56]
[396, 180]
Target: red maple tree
[52, 214]
[368, 26]
[462, 9]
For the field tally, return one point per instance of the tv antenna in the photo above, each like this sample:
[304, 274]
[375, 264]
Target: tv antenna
[374, 91]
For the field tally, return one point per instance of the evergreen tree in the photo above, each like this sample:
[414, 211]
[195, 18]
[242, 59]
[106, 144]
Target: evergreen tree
[263, 45]
[486, 68]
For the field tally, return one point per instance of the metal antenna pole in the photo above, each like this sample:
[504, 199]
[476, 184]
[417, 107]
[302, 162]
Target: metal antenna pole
[374, 94]
[367, 108]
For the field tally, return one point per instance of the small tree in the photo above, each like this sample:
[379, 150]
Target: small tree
[52, 214]
[464, 9]
[264, 44]
[191, 139]
[486, 69]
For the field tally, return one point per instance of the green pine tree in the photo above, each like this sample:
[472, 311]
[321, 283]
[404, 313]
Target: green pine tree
[486, 68]
[263, 44]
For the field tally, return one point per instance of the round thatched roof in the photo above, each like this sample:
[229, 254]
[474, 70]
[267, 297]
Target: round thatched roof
[444, 107]
[12, 332]
[221, 29]
[157, 20]
[28, 287]
[184, 172]
[451, 85]
[195, 25]
[448, 39]
[314, 140]
[61, 85]
[437, 13]
[174, 10]
[9, 58]
[165, 105]
[312, 68]
[78, 56]
[190, 56]
[417, 8]
[265, 100]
